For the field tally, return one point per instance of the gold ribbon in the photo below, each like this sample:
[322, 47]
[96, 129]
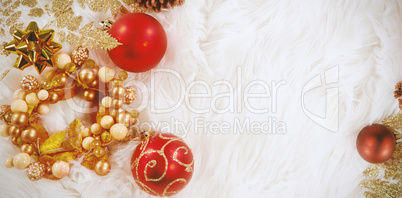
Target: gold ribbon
[34, 47]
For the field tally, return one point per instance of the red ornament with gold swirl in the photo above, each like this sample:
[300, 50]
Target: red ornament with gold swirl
[162, 164]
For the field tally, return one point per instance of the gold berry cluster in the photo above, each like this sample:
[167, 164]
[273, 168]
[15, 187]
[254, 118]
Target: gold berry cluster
[45, 156]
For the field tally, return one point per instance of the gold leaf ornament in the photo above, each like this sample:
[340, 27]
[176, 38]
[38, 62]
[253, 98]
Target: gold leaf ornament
[65, 156]
[53, 143]
[74, 134]
[34, 47]
[42, 133]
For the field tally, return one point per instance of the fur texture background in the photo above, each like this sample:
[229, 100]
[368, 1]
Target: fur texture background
[237, 42]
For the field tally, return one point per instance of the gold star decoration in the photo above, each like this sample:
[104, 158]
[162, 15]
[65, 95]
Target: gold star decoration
[34, 47]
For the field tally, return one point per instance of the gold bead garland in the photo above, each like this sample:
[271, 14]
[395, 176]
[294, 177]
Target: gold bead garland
[45, 156]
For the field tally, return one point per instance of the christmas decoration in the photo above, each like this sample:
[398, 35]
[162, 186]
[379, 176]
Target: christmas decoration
[376, 143]
[157, 5]
[34, 47]
[398, 93]
[47, 156]
[80, 55]
[36, 171]
[384, 180]
[29, 83]
[162, 164]
[129, 95]
[143, 41]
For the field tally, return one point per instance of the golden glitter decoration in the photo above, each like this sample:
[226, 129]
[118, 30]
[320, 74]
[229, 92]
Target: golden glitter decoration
[29, 3]
[97, 38]
[80, 55]
[15, 27]
[71, 39]
[2, 32]
[5, 3]
[66, 19]
[103, 5]
[4, 110]
[385, 179]
[11, 8]
[36, 171]
[59, 6]
[36, 12]
[13, 18]
[3, 51]
[86, 28]
[29, 83]
[34, 47]
[61, 36]
[130, 95]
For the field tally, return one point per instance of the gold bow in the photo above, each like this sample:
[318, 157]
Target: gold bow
[34, 47]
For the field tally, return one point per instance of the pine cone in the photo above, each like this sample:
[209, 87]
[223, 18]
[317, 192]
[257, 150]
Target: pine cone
[157, 5]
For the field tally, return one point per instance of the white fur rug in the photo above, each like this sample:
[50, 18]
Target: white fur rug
[267, 129]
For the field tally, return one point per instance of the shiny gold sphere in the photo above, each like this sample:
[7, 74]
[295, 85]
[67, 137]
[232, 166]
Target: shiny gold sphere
[118, 92]
[60, 80]
[102, 168]
[94, 83]
[106, 137]
[113, 113]
[87, 76]
[89, 95]
[96, 143]
[86, 132]
[133, 120]
[117, 103]
[124, 118]
[16, 141]
[29, 134]
[53, 97]
[99, 151]
[19, 119]
[28, 149]
[49, 75]
[14, 131]
[7, 116]
[97, 138]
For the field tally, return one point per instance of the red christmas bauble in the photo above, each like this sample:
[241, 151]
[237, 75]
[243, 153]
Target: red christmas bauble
[376, 143]
[143, 42]
[162, 164]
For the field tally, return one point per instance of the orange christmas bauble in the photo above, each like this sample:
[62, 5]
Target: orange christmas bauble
[376, 143]
[162, 164]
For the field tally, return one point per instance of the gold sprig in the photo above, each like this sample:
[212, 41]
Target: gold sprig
[67, 19]
[382, 188]
[92, 38]
[86, 36]
[29, 3]
[36, 12]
